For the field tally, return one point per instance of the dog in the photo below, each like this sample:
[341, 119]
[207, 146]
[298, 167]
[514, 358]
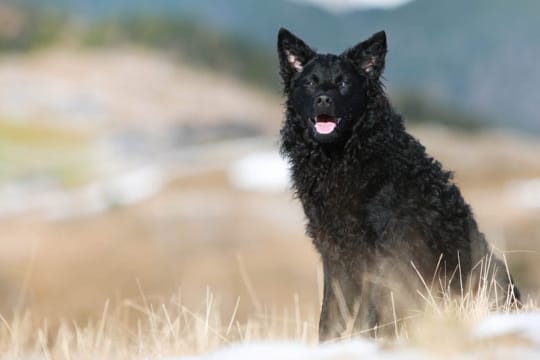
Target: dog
[387, 220]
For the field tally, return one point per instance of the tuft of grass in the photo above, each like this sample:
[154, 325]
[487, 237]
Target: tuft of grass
[33, 150]
[32, 134]
[170, 329]
[162, 330]
[147, 329]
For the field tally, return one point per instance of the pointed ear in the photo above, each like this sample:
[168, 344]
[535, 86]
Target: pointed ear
[293, 55]
[368, 56]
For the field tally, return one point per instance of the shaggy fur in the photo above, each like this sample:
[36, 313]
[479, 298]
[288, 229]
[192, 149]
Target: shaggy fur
[384, 216]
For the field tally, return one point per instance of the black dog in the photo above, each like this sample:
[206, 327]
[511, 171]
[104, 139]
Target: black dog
[385, 217]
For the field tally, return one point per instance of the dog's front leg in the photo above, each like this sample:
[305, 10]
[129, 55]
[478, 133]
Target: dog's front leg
[341, 303]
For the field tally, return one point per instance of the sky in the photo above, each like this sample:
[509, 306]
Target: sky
[344, 5]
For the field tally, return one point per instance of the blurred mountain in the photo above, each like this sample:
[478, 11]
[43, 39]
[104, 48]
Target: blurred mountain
[478, 56]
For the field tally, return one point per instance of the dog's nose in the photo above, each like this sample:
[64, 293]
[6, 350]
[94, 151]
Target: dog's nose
[323, 101]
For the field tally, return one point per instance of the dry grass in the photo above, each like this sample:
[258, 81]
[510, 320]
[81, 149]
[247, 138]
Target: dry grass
[35, 148]
[148, 328]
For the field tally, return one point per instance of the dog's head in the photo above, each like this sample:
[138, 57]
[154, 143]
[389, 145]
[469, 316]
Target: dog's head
[329, 92]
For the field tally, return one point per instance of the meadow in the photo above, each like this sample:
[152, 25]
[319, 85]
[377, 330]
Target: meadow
[202, 263]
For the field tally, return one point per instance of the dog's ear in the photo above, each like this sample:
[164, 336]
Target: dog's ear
[369, 55]
[293, 55]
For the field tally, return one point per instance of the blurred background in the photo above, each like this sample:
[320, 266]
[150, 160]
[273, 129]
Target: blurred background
[138, 142]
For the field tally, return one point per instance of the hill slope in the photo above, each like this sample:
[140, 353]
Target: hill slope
[479, 55]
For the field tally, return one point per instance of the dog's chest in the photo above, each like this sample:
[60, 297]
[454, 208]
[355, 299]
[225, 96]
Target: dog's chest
[337, 213]
[334, 191]
[346, 210]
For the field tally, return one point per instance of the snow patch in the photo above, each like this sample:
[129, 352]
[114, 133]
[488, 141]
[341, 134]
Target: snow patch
[341, 6]
[292, 351]
[524, 325]
[125, 188]
[347, 350]
[263, 171]
[524, 193]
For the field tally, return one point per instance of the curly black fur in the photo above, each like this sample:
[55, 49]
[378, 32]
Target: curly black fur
[380, 211]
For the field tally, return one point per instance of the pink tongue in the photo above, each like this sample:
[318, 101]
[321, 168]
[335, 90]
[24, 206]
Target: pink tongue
[325, 127]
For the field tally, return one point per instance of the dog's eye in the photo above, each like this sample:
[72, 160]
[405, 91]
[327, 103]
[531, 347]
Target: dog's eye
[310, 83]
[343, 83]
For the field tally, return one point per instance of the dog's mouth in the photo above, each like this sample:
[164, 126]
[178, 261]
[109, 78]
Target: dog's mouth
[325, 124]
